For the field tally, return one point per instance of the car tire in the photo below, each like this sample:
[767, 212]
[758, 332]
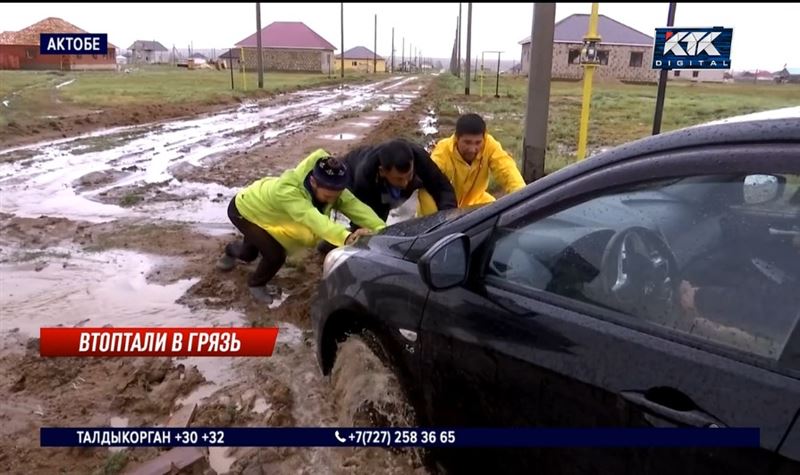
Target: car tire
[366, 389]
[368, 393]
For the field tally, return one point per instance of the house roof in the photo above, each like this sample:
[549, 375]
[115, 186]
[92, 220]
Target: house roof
[236, 53]
[359, 52]
[145, 45]
[30, 35]
[573, 28]
[287, 34]
[758, 73]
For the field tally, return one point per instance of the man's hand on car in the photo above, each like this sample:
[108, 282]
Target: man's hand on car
[353, 237]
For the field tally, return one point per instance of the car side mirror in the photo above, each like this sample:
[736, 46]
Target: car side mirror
[445, 265]
[760, 189]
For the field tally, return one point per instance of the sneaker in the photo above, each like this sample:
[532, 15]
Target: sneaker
[261, 294]
[226, 263]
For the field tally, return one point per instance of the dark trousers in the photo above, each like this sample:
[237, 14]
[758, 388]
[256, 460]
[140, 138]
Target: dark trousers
[256, 240]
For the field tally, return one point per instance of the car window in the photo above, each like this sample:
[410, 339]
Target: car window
[715, 257]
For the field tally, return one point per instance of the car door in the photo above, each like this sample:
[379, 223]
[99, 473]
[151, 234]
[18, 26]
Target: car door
[532, 340]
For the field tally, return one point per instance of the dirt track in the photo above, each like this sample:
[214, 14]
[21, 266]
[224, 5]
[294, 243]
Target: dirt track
[122, 227]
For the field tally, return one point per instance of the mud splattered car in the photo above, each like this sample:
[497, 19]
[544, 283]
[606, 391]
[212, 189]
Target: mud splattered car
[653, 285]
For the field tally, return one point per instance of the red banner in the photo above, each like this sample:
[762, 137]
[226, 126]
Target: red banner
[157, 341]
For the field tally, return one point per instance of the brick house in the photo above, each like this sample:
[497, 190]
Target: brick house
[790, 75]
[361, 59]
[148, 52]
[698, 75]
[626, 54]
[20, 50]
[288, 46]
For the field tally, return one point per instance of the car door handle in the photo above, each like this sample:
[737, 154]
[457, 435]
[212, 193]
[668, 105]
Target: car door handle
[684, 413]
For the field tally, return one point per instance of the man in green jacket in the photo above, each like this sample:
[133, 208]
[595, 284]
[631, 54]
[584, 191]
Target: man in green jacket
[280, 215]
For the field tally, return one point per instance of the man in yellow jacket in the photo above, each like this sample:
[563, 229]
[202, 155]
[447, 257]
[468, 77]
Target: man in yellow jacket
[467, 158]
[280, 215]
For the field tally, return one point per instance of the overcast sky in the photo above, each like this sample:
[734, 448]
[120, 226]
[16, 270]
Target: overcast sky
[763, 37]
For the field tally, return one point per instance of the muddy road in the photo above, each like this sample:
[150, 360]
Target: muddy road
[121, 227]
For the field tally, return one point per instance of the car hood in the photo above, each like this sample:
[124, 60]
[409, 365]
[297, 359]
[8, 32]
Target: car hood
[397, 239]
[415, 227]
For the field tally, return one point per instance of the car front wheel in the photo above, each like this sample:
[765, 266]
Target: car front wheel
[366, 389]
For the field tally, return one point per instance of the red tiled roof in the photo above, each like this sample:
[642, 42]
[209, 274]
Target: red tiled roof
[359, 52]
[287, 34]
[30, 35]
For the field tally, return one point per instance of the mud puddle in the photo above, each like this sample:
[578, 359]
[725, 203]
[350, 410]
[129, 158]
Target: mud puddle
[108, 175]
[68, 287]
[342, 136]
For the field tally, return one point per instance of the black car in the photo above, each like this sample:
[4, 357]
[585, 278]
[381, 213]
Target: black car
[653, 285]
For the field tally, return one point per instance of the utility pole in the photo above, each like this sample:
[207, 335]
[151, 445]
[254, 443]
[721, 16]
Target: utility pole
[258, 39]
[454, 54]
[403, 57]
[469, 46]
[342, 19]
[497, 86]
[230, 62]
[458, 40]
[539, 71]
[589, 60]
[662, 81]
[375, 48]
[392, 50]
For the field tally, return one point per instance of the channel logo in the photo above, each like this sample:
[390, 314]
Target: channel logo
[692, 48]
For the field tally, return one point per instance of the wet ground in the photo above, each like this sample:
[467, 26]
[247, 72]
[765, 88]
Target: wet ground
[121, 227]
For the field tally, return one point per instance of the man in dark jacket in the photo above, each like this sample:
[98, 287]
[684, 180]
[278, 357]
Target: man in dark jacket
[385, 176]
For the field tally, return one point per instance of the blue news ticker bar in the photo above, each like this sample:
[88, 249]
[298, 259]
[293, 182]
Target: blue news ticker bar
[73, 43]
[394, 437]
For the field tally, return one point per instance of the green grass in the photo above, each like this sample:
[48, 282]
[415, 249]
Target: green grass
[36, 94]
[619, 112]
[154, 85]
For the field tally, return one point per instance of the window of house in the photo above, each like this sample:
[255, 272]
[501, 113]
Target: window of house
[676, 74]
[603, 56]
[684, 254]
[636, 59]
[574, 56]
[695, 74]
[355, 63]
[29, 53]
